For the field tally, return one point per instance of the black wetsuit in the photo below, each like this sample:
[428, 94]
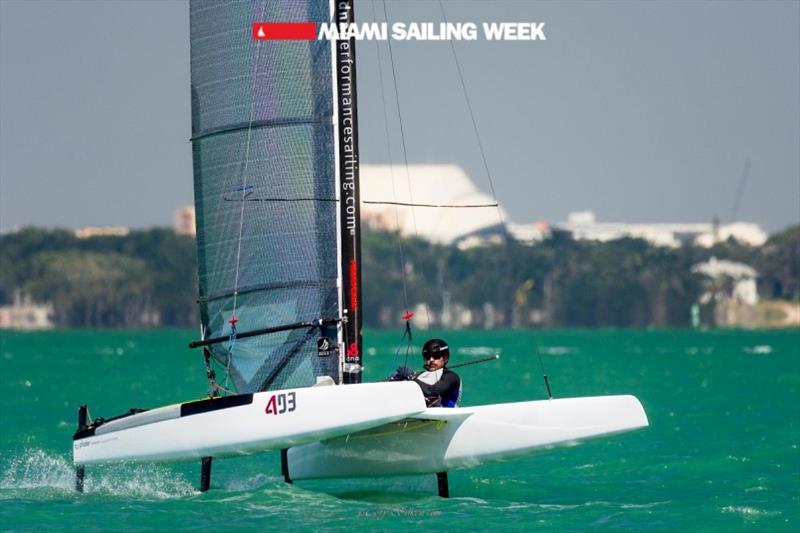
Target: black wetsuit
[445, 392]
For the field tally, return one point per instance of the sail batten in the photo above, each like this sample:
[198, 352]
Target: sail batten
[262, 128]
[262, 124]
[272, 286]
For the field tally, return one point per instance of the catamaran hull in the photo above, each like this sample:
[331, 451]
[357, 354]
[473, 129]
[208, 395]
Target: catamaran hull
[246, 424]
[441, 439]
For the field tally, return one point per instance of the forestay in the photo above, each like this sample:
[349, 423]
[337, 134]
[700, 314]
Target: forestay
[265, 193]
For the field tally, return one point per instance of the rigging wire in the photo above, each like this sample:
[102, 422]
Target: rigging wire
[400, 120]
[474, 125]
[409, 204]
[544, 373]
[372, 202]
[408, 338]
[403, 140]
[489, 177]
[391, 169]
[246, 190]
[506, 240]
[407, 334]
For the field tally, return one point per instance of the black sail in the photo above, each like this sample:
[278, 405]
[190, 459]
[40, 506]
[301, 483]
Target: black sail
[265, 192]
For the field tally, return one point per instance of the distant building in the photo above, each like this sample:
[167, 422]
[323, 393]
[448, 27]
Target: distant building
[583, 226]
[88, 232]
[730, 281]
[743, 232]
[23, 314]
[184, 221]
[731, 292]
[441, 194]
[530, 233]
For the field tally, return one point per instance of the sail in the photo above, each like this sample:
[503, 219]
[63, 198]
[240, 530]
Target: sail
[265, 192]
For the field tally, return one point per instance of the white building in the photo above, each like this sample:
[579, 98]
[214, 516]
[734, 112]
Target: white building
[583, 226]
[744, 232]
[90, 232]
[434, 189]
[25, 315]
[743, 280]
[184, 222]
[529, 233]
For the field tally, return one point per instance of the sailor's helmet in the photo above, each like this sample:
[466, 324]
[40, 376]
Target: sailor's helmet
[436, 348]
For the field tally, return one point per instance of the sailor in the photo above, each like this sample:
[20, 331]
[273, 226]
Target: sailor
[440, 385]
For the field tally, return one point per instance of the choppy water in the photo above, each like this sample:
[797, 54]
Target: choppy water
[721, 453]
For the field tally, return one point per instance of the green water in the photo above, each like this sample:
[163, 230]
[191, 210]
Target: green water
[721, 453]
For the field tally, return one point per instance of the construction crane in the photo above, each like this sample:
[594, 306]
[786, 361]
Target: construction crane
[740, 190]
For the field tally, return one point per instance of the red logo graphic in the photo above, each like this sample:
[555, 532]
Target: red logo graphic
[353, 284]
[284, 31]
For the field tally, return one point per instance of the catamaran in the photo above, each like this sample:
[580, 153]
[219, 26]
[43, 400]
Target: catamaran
[277, 199]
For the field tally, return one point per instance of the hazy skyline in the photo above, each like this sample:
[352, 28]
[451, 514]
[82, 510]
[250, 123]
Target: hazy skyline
[639, 111]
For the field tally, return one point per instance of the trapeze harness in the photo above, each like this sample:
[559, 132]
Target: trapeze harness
[442, 388]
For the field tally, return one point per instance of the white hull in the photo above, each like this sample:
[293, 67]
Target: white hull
[200, 429]
[441, 439]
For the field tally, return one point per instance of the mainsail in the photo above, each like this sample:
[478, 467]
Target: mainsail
[266, 202]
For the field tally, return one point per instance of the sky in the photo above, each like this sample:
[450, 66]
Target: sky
[639, 111]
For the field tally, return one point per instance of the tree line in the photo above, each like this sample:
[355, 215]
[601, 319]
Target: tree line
[146, 278]
[149, 278]
[562, 282]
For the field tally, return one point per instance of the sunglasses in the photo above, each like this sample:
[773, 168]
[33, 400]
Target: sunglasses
[432, 356]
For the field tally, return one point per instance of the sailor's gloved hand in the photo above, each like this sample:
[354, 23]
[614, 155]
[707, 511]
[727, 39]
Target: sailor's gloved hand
[403, 373]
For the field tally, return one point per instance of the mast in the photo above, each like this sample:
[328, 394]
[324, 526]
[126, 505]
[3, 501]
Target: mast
[349, 193]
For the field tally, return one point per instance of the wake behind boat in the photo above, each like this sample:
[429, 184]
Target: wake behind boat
[277, 200]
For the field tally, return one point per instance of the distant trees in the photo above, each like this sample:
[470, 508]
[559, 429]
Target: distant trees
[93, 289]
[144, 279]
[570, 283]
[562, 282]
[149, 278]
[779, 265]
